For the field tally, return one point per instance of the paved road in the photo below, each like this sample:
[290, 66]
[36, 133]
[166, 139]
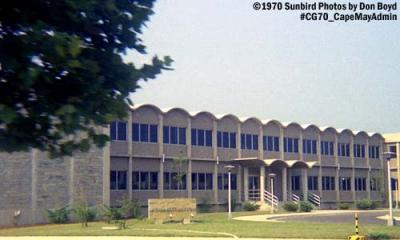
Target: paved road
[342, 217]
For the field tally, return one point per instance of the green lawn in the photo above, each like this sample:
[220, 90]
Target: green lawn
[211, 224]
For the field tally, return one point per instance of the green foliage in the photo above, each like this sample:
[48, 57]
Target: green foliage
[204, 206]
[62, 61]
[250, 206]
[305, 207]
[59, 215]
[110, 214]
[119, 215]
[343, 206]
[365, 204]
[290, 206]
[378, 236]
[83, 213]
[180, 166]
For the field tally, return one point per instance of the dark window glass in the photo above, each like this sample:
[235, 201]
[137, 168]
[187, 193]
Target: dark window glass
[153, 133]
[255, 142]
[295, 183]
[113, 180]
[220, 183]
[153, 180]
[248, 141]
[314, 146]
[194, 181]
[200, 137]
[242, 141]
[144, 132]
[194, 137]
[276, 144]
[290, 145]
[209, 181]
[208, 138]
[295, 145]
[225, 139]
[377, 152]
[233, 181]
[135, 180]
[344, 184]
[122, 131]
[347, 150]
[121, 179]
[113, 131]
[202, 181]
[166, 134]
[363, 151]
[226, 181]
[174, 181]
[219, 139]
[331, 148]
[182, 136]
[312, 183]
[174, 135]
[167, 180]
[393, 150]
[144, 180]
[232, 140]
[135, 132]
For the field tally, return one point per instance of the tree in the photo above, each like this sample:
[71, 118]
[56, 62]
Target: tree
[62, 71]
[180, 166]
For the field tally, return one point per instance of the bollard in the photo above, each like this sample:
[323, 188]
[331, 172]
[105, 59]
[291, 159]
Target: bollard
[356, 237]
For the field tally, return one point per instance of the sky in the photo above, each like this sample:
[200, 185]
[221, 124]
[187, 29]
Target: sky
[229, 58]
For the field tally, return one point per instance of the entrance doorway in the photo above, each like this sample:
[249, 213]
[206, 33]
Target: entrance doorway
[254, 188]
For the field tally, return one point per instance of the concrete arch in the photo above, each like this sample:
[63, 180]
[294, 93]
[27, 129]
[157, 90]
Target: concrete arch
[151, 106]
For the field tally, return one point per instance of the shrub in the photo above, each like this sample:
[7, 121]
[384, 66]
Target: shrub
[205, 205]
[250, 206]
[84, 213]
[130, 208]
[365, 204]
[290, 206]
[59, 215]
[305, 207]
[343, 206]
[110, 214]
[378, 236]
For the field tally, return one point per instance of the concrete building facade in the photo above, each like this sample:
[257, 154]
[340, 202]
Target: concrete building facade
[157, 153]
[393, 145]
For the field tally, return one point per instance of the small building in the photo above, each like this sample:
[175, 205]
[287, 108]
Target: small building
[392, 141]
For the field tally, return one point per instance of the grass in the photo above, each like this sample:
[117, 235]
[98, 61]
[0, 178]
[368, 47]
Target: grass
[207, 225]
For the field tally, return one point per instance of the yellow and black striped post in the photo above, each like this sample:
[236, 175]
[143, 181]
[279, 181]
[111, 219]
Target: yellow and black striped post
[356, 237]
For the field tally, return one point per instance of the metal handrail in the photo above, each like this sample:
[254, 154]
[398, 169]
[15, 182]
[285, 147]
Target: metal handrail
[254, 194]
[272, 199]
[314, 199]
[293, 197]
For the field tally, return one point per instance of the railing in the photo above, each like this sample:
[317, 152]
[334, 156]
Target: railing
[293, 197]
[314, 199]
[254, 194]
[271, 199]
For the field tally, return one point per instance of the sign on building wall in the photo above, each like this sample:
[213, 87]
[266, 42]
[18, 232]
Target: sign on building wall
[171, 209]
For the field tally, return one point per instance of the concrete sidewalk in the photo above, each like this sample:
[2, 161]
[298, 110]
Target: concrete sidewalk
[134, 238]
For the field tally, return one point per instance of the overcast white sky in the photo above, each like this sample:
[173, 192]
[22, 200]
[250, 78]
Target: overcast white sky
[232, 59]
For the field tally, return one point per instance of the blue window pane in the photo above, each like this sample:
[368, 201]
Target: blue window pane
[248, 141]
[233, 181]
[166, 134]
[304, 146]
[219, 139]
[232, 140]
[377, 152]
[135, 180]
[174, 135]
[121, 177]
[209, 181]
[225, 139]
[285, 144]
[182, 136]
[295, 145]
[194, 181]
[113, 131]
[362, 151]
[220, 183]
[144, 132]
[153, 180]
[208, 138]
[194, 137]
[242, 141]
[200, 137]
[314, 146]
[113, 180]
[265, 143]
[331, 148]
[255, 142]
[290, 145]
[276, 144]
[135, 132]
[153, 133]
[122, 131]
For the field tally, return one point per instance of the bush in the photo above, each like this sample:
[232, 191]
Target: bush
[378, 236]
[250, 206]
[110, 214]
[305, 207]
[59, 215]
[365, 204]
[84, 213]
[290, 206]
[343, 206]
[204, 205]
[130, 208]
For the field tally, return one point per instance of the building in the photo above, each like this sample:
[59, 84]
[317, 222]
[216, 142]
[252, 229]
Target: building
[393, 145]
[321, 164]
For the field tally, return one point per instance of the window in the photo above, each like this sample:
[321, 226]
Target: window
[309, 146]
[145, 180]
[291, 145]
[118, 131]
[312, 183]
[328, 183]
[174, 135]
[135, 180]
[327, 148]
[373, 152]
[295, 183]
[345, 184]
[171, 181]
[118, 180]
[359, 150]
[201, 137]
[249, 141]
[202, 181]
[393, 150]
[271, 143]
[144, 132]
[375, 184]
[359, 184]
[343, 149]
[223, 181]
[226, 139]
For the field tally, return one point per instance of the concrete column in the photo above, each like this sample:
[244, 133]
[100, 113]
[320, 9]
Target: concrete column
[398, 169]
[161, 155]
[189, 156]
[353, 185]
[284, 184]
[161, 178]
[215, 183]
[189, 178]
[262, 183]
[289, 176]
[281, 150]
[368, 181]
[260, 143]
[337, 181]
[301, 154]
[214, 139]
[335, 150]
[34, 163]
[246, 183]
[106, 170]
[238, 140]
[239, 183]
[320, 182]
[130, 152]
[319, 155]
[304, 183]
[353, 189]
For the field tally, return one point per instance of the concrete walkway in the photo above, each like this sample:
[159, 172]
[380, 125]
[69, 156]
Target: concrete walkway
[134, 238]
